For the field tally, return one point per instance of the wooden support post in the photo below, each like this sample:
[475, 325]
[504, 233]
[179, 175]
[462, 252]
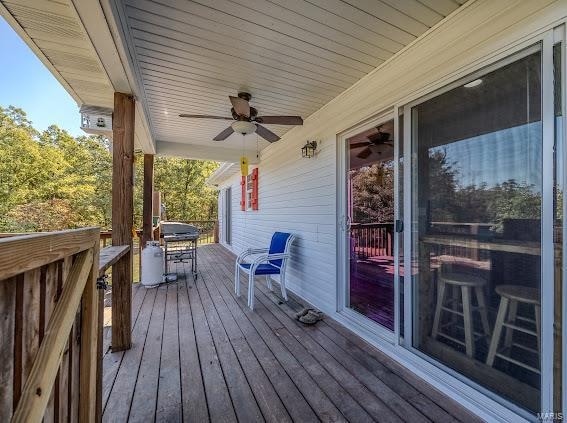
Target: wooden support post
[122, 218]
[216, 232]
[147, 226]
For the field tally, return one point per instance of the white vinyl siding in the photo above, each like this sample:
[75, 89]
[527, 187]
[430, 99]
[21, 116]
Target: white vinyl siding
[300, 195]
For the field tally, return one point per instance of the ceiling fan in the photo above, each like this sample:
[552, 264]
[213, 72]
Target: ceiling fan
[247, 121]
[376, 143]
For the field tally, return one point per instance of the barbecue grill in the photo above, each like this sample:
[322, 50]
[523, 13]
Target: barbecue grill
[180, 241]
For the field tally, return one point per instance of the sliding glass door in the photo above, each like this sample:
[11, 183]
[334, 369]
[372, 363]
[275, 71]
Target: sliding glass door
[473, 176]
[481, 252]
[369, 210]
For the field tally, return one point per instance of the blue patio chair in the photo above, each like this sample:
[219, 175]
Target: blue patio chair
[270, 261]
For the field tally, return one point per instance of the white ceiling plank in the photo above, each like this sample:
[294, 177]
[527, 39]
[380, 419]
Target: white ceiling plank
[443, 7]
[340, 23]
[293, 56]
[288, 42]
[280, 12]
[365, 20]
[191, 98]
[237, 75]
[231, 87]
[183, 85]
[338, 46]
[416, 10]
[393, 16]
[184, 37]
[51, 7]
[184, 103]
[240, 67]
[182, 26]
[220, 153]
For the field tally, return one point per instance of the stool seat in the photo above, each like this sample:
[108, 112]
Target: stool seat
[523, 294]
[451, 283]
[507, 319]
[463, 279]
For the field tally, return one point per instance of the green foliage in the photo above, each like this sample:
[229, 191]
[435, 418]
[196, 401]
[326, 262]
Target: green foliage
[450, 202]
[50, 180]
[373, 193]
[182, 185]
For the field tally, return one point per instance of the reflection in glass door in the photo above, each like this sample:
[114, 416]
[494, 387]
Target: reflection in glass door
[476, 227]
[370, 210]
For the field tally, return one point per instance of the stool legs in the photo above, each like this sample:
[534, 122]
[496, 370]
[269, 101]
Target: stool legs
[466, 298]
[512, 312]
[467, 316]
[482, 310]
[438, 308]
[502, 310]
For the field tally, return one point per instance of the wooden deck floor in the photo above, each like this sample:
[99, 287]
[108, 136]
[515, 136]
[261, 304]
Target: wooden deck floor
[200, 355]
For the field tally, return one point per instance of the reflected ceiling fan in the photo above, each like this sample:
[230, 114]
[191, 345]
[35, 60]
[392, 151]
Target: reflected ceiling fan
[376, 143]
[247, 121]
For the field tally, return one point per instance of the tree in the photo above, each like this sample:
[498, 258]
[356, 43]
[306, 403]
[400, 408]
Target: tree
[51, 180]
[373, 193]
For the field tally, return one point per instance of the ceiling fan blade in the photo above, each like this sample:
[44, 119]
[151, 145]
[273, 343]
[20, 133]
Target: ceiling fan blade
[185, 115]
[364, 153]
[266, 133]
[280, 120]
[241, 106]
[359, 144]
[224, 134]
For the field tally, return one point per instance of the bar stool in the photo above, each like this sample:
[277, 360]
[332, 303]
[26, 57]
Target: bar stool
[510, 297]
[466, 284]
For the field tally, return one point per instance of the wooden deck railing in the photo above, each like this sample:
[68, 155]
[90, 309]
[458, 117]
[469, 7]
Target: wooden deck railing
[49, 353]
[208, 230]
[372, 239]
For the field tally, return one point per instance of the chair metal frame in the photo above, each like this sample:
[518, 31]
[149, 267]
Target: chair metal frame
[262, 258]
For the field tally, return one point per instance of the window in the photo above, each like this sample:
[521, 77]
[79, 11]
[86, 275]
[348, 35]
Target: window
[476, 196]
[249, 191]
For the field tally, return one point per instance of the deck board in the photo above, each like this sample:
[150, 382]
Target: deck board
[194, 401]
[199, 354]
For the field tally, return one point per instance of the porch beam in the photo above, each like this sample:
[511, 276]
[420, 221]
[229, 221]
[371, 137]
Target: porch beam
[147, 213]
[122, 218]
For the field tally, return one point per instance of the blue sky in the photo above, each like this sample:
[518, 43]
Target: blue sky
[26, 83]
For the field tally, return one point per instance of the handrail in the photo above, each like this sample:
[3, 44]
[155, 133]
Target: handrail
[21, 253]
[372, 239]
[109, 256]
[50, 326]
[36, 391]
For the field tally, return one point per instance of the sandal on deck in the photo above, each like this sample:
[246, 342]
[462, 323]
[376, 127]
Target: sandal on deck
[312, 317]
[302, 313]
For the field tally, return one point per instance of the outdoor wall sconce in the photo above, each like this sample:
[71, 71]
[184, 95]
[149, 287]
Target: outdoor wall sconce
[308, 150]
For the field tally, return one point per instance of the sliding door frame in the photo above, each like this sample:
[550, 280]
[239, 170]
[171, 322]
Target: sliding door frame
[543, 43]
[343, 230]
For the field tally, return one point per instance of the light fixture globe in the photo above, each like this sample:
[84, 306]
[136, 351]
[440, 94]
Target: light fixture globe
[243, 127]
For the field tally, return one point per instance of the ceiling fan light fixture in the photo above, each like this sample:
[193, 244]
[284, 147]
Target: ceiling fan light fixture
[244, 127]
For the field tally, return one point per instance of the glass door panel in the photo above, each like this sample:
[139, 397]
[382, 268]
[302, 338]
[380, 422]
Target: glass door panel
[476, 211]
[370, 211]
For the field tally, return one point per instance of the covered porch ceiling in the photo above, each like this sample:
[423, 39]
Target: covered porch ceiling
[178, 56]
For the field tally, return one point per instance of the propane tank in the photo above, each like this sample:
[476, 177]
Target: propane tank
[152, 264]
